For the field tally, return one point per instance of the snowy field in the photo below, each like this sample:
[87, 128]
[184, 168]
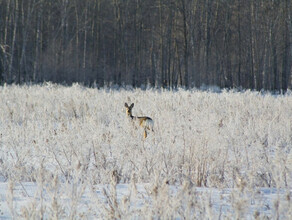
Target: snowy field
[72, 153]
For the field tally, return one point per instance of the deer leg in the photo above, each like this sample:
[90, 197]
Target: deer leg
[145, 133]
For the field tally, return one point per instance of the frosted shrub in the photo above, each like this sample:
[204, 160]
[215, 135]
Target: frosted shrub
[77, 136]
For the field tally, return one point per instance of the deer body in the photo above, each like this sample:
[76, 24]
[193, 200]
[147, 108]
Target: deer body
[145, 122]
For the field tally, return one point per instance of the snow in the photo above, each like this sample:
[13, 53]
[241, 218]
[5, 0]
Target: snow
[261, 202]
[72, 153]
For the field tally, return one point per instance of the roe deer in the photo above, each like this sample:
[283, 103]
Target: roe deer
[145, 122]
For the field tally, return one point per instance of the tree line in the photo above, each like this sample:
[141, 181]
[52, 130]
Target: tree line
[161, 43]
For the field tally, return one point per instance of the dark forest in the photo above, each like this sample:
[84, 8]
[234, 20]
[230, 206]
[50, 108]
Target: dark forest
[159, 43]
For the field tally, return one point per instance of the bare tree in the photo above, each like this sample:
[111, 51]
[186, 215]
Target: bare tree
[16, 7]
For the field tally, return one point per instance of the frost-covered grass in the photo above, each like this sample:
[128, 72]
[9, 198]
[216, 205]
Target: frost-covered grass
[71, 152]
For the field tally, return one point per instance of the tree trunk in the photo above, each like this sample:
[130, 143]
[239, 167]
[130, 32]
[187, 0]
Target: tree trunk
[285, 68]
[6, 22]
[162, 77]
[37, 43]
[77, 62]
[185, 34]
[25, 26]
[252, 78]
[85, 43]
[239, 43]
[10, 77]
[274, 78]
[289, 71]
[207, 40]
[2, 63]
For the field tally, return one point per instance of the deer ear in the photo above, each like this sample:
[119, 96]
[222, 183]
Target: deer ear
[132, 105]
[126, 105]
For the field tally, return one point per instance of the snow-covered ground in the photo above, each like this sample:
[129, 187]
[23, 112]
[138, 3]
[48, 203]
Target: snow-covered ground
[98, 202]
[72, 153]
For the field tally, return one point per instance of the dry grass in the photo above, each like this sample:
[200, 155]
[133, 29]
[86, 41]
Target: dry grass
[68, 139]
